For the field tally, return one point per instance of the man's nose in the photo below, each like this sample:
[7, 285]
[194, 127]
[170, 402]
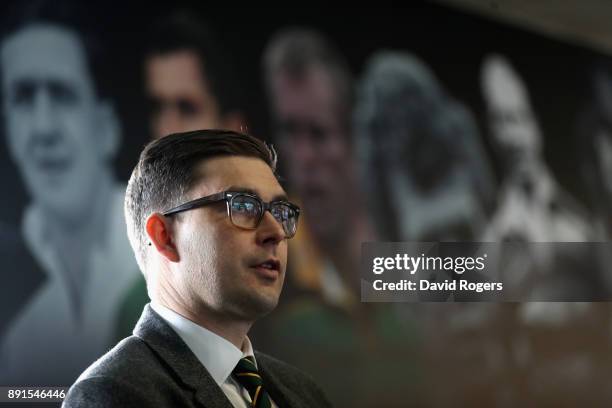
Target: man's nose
[270, 231]
[44, 120]
[167, 121]
[304, 150]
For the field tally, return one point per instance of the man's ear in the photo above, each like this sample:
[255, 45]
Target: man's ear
[109, 129]
[160, 236]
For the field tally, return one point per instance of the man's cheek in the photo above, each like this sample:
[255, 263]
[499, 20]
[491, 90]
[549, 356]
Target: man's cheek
[17, 138]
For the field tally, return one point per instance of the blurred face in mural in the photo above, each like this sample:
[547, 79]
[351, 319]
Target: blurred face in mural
[512, 122]
[421, 145]
[181, 97]
[59, 133]
[315, 144]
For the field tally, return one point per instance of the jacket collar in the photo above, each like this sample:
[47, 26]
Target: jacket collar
[164, 341]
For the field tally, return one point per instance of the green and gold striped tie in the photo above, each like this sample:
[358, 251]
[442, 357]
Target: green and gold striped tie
[247, 375]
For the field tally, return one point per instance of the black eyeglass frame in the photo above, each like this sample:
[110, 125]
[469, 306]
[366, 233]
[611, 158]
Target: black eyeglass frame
[228, 197]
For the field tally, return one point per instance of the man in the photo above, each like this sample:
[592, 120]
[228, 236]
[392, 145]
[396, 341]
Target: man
[209, 224]
[429, 180]
[534, 207]
[62, 134]
[311, 96]
[426, 147]
[327, 331]
[189, 81]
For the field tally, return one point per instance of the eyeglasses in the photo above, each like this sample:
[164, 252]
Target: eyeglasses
[247, 210]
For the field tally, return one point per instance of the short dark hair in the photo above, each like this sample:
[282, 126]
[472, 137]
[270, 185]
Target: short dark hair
[74, 17]
[165, 174]
[296, 50]
[184, 30]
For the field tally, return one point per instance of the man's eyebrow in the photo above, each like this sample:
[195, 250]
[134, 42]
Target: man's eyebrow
[278, 197]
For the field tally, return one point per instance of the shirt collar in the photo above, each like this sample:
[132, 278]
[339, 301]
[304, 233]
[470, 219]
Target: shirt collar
[216, 354]
[115, 250]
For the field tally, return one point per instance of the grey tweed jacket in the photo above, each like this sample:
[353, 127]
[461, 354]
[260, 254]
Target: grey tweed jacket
[155, 368]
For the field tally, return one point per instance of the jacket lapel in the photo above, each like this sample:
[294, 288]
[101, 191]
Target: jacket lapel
[185, 367]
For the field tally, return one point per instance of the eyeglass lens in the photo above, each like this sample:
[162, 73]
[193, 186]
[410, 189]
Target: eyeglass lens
[246, 212]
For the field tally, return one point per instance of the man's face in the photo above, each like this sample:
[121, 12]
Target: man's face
[513, 124]
[220, 261]
[315, 145]
[181, 98]
[50, 111]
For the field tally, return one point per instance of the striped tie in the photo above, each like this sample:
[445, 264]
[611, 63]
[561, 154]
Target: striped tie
[247, 375]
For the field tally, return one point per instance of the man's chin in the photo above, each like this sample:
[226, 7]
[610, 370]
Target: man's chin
[59, 205]
[263, 306]
[255, 307]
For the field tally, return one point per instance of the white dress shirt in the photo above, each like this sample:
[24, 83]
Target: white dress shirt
[216, 354]
[48, 343]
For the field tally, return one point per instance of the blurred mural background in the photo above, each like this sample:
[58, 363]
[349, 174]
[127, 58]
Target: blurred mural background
[450, 121]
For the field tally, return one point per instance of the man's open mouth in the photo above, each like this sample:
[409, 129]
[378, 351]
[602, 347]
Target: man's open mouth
[269, 269]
